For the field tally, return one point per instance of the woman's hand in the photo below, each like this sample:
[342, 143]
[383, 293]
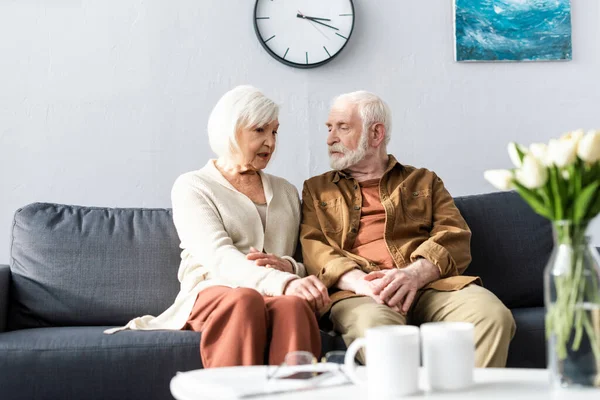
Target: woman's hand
[311, 289]
[270, 261]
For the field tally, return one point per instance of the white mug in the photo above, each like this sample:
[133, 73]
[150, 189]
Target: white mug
[448, 354]
[392, 356]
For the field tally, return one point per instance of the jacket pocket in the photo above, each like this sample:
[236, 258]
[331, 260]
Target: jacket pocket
[417, 205]
[329, 213]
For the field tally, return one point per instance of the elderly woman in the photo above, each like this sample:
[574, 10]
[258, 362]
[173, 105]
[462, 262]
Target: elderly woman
[238, 227]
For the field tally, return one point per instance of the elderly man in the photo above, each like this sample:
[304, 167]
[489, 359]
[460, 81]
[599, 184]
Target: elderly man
[387, 239]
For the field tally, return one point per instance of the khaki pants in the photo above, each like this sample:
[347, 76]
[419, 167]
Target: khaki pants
[494, 323]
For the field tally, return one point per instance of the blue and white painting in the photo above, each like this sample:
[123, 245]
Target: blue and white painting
[513, 30]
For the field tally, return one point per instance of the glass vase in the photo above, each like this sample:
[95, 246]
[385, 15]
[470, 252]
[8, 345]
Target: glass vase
[572, 300]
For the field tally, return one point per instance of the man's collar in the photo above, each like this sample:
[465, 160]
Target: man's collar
[392, 163]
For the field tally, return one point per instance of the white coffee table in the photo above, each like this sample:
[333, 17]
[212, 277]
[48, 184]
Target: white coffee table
[492, 383]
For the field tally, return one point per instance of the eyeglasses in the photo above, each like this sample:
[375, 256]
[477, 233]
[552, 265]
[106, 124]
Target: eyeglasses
[304, 365]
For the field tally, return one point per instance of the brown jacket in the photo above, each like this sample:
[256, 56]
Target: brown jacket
[421, 221]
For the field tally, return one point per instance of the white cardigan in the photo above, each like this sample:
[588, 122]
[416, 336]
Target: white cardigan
[217, 225]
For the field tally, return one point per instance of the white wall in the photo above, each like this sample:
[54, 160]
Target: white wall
[105, 102]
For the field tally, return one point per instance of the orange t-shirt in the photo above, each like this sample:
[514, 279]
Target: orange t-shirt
[369, 242]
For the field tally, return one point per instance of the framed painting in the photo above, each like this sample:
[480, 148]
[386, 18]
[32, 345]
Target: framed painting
[512, 30]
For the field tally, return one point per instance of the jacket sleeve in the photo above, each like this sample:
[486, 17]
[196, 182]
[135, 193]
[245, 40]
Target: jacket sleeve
[449, 244]
[319, 257]
[201, 231]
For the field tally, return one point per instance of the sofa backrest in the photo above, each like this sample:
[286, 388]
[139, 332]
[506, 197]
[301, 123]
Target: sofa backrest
[510, 246]
[76, 265]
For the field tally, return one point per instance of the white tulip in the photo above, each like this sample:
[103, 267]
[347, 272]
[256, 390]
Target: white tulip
[589, 147]
[513, 153]
[540, 152]
[576, 135]
[532, 174]
[563, 152]
[500, 178]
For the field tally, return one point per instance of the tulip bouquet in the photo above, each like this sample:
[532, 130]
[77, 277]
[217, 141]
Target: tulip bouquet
[561, 181]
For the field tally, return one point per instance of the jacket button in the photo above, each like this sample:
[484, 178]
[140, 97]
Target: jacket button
[355, 187]
[353, 230]
[357, 208]
[323, 204]
[415, 194]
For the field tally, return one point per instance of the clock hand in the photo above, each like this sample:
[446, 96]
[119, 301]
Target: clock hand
[319, 22]
[299, 15]
[312, 23]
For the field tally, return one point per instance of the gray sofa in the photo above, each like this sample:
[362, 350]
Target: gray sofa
[74, 271]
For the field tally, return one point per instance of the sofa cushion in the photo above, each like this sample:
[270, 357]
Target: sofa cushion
[76, 265]
[4, 287]
[510, 246]
[528, 346]
[84, 363]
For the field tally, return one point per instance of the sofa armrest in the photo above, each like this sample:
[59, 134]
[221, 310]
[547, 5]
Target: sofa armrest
[4, 285]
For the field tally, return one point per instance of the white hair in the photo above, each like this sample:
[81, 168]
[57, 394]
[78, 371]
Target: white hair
[242, 107]
[371, 108]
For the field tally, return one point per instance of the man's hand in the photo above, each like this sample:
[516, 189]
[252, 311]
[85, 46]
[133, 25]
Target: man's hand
[311, 289]
[398, 287]
[356, 281]
[269, 260]
[366, 286]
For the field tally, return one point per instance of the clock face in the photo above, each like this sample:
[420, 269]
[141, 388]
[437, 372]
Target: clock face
[304, 33]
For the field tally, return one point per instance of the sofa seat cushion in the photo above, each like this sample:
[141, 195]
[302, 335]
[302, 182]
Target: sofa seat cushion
[331, 341]
[92, 338]
[528, 347]
[82, 362]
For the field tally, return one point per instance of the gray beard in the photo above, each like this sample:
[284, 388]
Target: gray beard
[350, 157]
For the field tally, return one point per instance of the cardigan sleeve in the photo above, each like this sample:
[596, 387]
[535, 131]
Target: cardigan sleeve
[299, 268]
[201, 231]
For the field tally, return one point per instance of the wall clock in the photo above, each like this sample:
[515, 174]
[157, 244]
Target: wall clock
[304, 33]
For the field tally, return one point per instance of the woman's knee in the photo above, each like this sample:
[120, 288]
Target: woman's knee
[293, 302]
[246, 300]
[291, 306]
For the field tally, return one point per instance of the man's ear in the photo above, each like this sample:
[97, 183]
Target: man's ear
[378, 134]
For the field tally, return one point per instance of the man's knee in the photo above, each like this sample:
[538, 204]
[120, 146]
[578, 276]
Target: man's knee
[485, 308]
[494, 331]
[493, 315]
[501, 318]
[375, 315]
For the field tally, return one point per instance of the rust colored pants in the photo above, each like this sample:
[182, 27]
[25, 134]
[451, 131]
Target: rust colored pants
[238, 324]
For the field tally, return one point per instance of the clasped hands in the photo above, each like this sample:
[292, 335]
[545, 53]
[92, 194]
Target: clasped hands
[309, 288]
[397, 288]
